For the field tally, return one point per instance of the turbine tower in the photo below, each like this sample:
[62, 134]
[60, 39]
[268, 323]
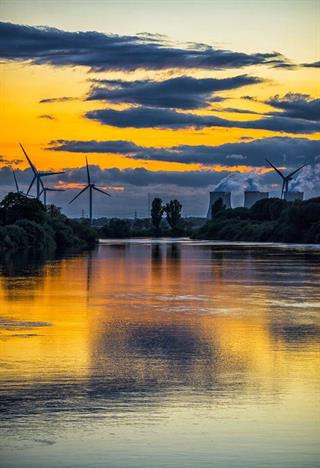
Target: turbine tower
[17, 186]
[48, 189]
[91, 186]
[286, 179]
[37, 175]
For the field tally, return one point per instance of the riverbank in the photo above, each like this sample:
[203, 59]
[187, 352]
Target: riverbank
[27, 224]
[268, 220]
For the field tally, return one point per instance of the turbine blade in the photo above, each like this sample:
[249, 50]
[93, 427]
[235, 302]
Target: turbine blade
[29, 161]
[275, 168]
[31, 184]
[78, 194]
[294, 172]
[15, 180]
[88, 173]
[102, 191]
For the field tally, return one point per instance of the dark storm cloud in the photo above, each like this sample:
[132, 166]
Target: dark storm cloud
[148, 117]
[281, 150]
[100, 52]
[59, 99]
[237, 111]
[137, 177]
[92, 146]
[183, 92]
[296, 106]
[312, 65]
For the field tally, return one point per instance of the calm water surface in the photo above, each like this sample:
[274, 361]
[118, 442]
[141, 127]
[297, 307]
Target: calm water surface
[161, 354]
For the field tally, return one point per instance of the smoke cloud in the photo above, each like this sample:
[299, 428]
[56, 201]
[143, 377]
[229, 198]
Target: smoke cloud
[308, 180]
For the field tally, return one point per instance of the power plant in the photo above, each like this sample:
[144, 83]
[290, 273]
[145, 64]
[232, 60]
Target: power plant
[252, 196]
[214, 196]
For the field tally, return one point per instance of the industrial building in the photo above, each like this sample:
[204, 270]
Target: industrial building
[214, 196]
[251, 197]
[292, 196]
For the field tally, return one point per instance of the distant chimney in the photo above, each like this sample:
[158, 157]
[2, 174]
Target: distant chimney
[214, 196]
[251, 197]
[292, 196]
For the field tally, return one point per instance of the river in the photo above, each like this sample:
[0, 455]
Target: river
[161, 353]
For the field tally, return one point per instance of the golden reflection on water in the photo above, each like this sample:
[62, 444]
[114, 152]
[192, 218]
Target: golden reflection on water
[166, 325]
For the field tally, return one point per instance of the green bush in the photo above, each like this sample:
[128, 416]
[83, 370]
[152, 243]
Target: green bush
[36, 234]
[18, 236]
[17, 206]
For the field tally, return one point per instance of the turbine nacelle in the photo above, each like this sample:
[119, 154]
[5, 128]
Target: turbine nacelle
[286, 179]
[37, 174]
[91, 186]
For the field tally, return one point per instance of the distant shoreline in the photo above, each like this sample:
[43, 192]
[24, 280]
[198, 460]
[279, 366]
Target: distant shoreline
[216, 243]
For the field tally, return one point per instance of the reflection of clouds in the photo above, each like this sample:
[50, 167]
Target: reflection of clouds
[296, 333]
[149, 324]
[7, 324]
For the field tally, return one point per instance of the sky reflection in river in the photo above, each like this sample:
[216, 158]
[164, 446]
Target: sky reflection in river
[173, 354]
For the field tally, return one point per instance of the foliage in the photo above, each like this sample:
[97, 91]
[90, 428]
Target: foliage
[173, 211]
[156, 212]
[17, 206]
[268, 220]
[217, 207]
[116, 228]
[27, 223]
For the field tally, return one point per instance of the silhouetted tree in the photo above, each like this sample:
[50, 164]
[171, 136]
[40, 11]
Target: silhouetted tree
[217, 207]
[173, 211]
[18, 206]
[156, 212]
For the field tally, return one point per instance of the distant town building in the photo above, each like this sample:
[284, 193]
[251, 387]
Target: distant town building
[252, 196]
[292, 196]
[214, 196]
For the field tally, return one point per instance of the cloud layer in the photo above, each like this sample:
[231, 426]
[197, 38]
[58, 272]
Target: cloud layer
[101, 52]
[281, 150]
[148, 117]
[296, 106]
[182, 92]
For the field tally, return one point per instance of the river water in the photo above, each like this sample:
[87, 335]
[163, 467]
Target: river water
[162, 354]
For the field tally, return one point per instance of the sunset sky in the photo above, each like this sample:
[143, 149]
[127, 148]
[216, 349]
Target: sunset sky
[167, 98]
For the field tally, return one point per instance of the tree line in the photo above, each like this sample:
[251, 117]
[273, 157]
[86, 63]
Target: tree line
[165, 220]
[268, 220]
[27, 223]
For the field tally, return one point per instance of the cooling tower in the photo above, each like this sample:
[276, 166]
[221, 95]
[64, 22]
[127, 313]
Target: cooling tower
[252, 196]
[292, 196]
[214, 196]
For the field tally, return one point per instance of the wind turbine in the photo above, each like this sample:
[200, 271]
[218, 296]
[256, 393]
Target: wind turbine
[286, 179]
[48, 189]
[37, 175]
[91, 186]
[17, 186]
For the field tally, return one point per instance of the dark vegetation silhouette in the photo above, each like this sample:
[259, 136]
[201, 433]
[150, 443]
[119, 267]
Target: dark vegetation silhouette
[268, 220]
[173, 211]
[26, 222]
[173, 225]
[156, 213]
